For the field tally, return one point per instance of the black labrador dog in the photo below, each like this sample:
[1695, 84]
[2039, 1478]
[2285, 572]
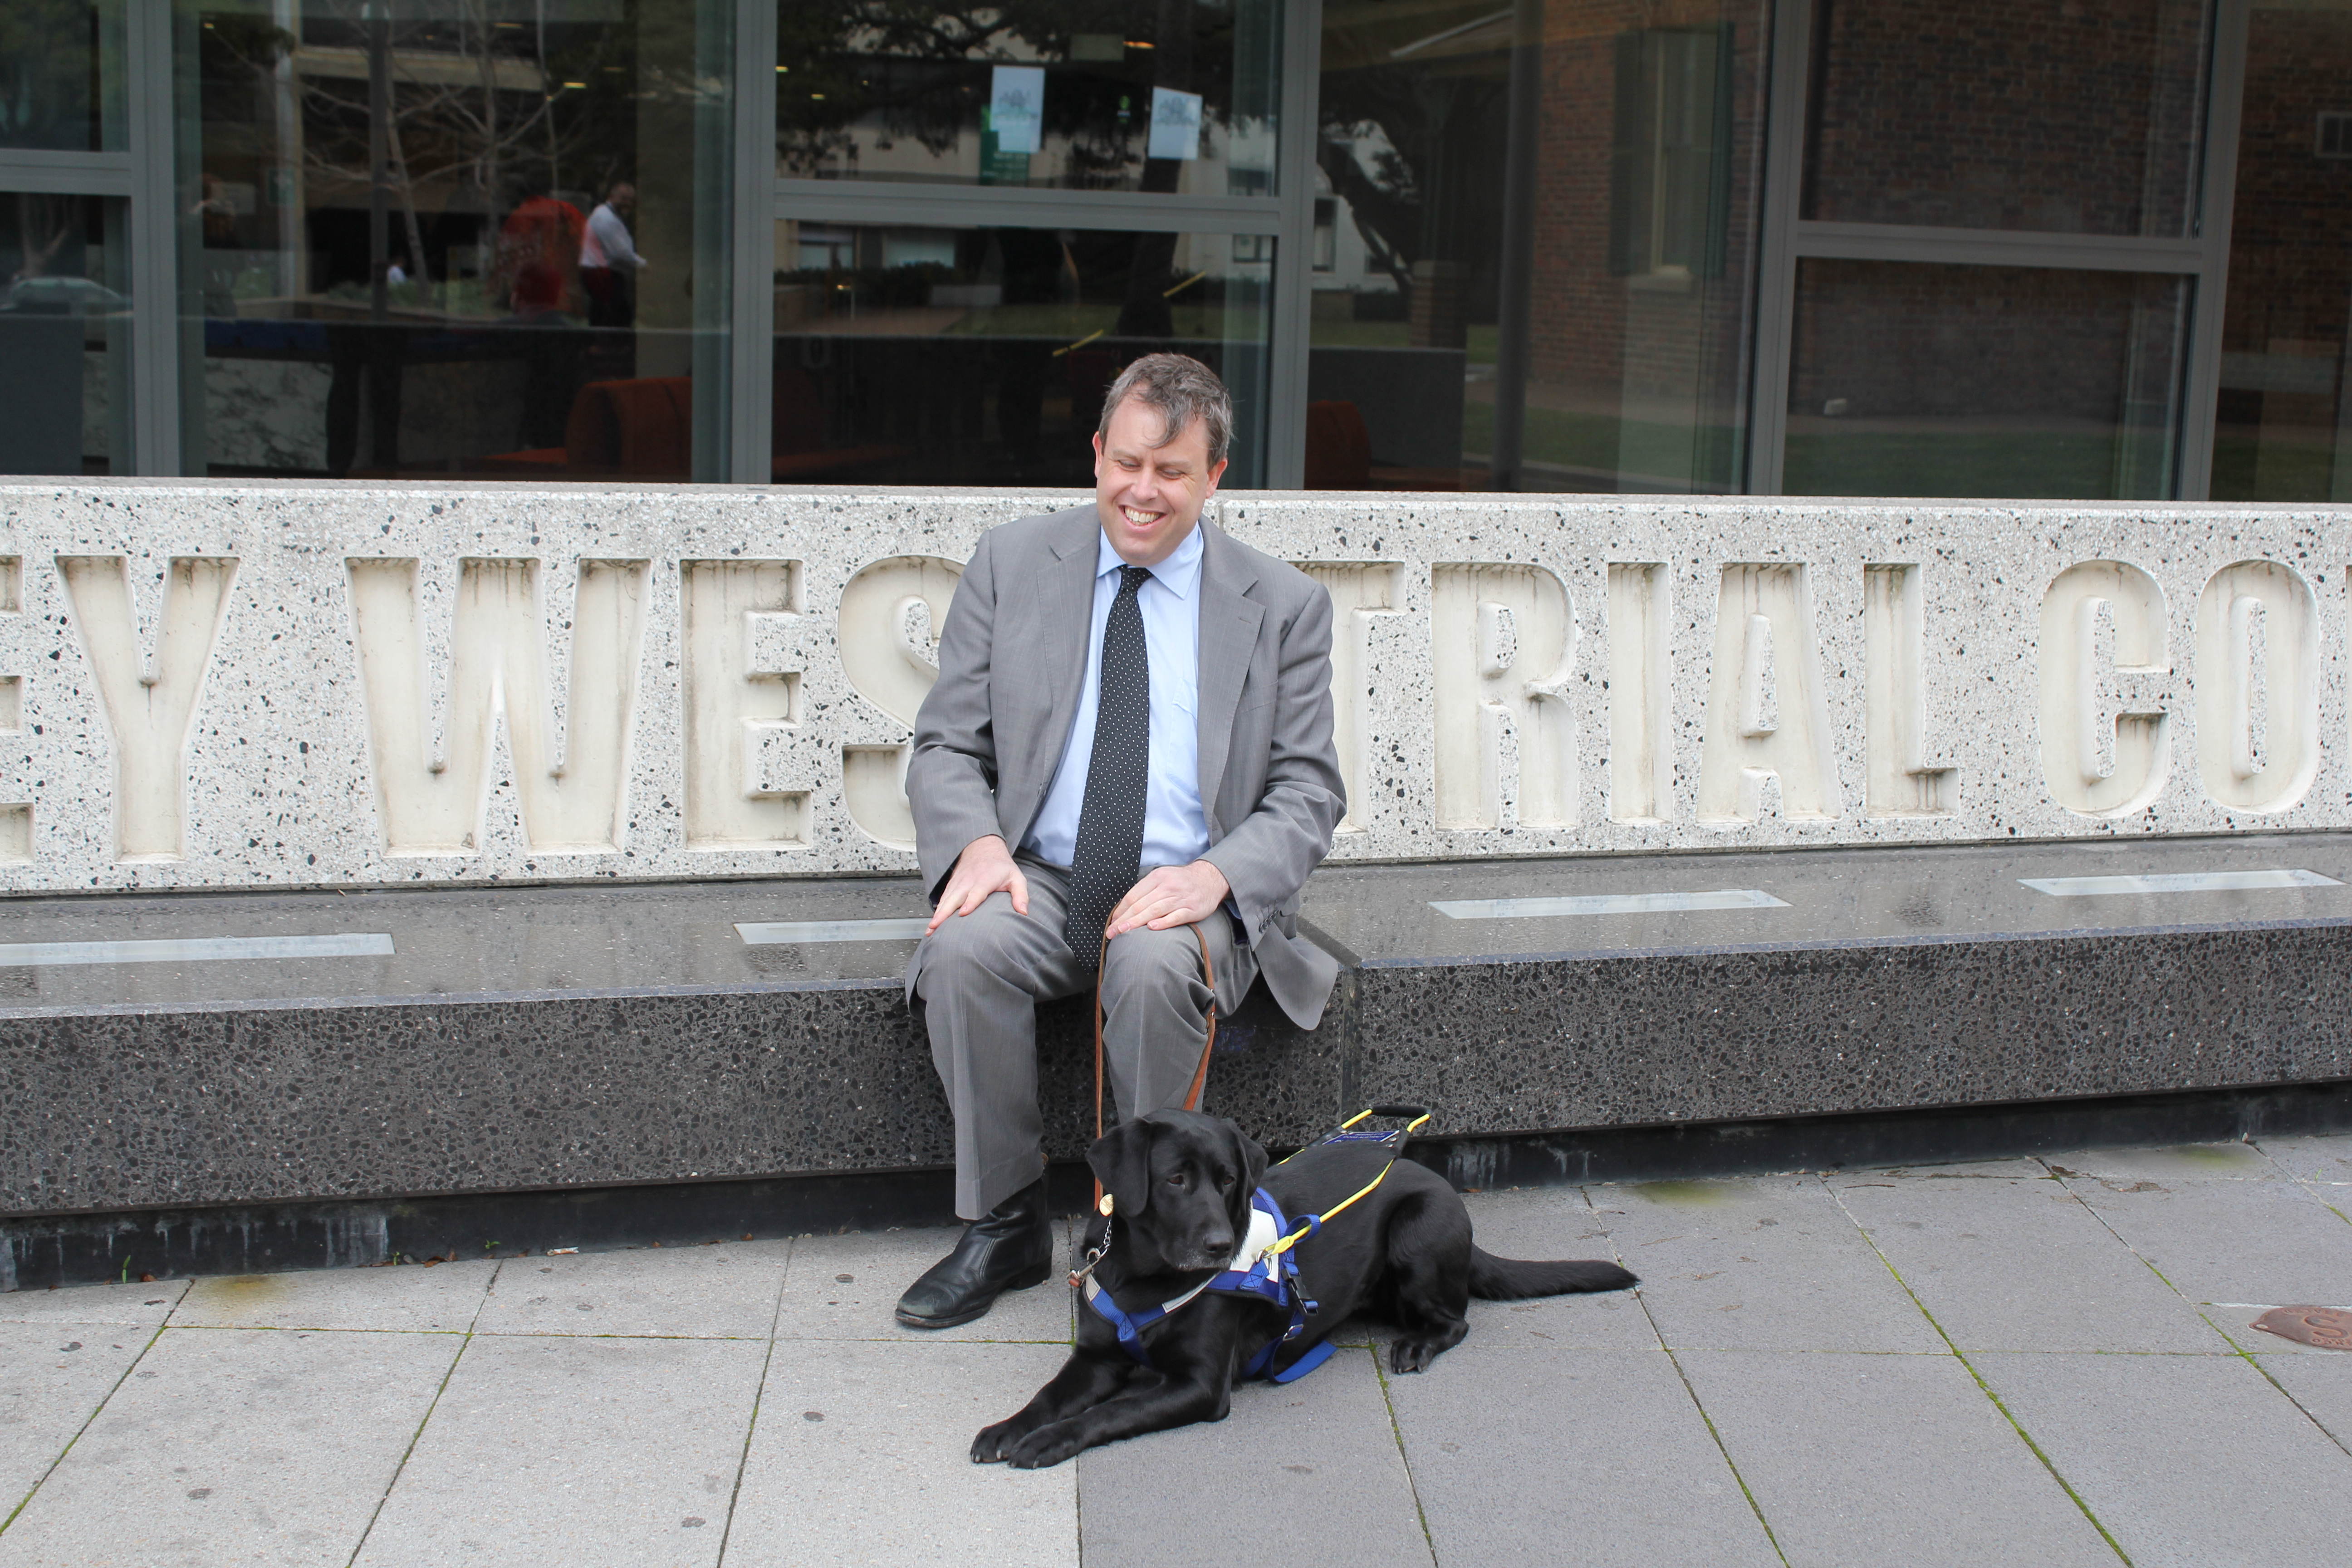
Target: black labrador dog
[1180, 1186]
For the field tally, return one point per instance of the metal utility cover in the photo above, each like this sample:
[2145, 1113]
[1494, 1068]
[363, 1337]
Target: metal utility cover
[2329, 1328]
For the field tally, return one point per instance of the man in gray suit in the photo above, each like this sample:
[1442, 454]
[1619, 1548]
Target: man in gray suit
[1127, 759]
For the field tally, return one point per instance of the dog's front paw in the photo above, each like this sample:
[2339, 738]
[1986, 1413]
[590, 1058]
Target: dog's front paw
[1409, 1354]
[995, 1443]
[1044, 1448]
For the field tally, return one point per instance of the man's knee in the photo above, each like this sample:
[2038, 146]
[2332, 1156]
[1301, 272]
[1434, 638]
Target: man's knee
[990, 941]
[1157, 962]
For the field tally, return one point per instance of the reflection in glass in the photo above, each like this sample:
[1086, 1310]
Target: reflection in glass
[968, 356]
[1926, 380]
[64, 336]
[455, 236]
[2283, 427]
[1090, 95]
[1639, 235]
[2080, 117]
[62, 75]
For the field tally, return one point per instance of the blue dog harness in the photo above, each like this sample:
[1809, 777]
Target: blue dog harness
[1266, 1265]
[1258, 1269]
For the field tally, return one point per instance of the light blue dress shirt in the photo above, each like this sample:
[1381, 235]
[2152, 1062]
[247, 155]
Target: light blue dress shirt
[1175, 831]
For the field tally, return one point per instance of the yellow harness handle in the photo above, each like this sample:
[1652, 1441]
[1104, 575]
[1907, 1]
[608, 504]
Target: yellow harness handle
[1287, 1242]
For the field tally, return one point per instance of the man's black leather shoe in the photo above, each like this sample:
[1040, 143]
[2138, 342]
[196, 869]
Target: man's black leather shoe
[1010, 1247]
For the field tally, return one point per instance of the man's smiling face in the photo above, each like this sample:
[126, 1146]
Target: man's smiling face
[1149, 496]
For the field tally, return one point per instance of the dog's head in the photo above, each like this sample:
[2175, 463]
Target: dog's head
[1180, 1184]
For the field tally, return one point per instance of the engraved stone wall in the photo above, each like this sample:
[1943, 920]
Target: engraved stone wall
[206, 685]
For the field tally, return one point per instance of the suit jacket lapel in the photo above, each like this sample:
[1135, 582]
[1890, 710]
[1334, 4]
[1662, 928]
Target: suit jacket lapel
[1229, 623]
[1065, 614]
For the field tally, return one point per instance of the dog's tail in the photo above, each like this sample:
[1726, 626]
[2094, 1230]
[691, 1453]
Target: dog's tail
[1493, 1278]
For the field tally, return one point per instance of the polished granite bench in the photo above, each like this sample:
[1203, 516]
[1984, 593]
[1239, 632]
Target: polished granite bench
[320, 1069]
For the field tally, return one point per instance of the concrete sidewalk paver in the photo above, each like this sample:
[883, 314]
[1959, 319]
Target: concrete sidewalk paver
[726, 1292]
[2189, 1461]
[236, 1446]
[2016, 1265]
[575, 1451]
[443, 1299]
[1539, 1225]
[1869, 1460]
[1560, 1460]
[862, 1457]
[2019, 1169]
[2270, 1243]
[2179, 1163]
[2321, 1385]
[149, 1304]
[747, 1399]
[819, 1304]
[1772, 1263]
[53, 1378]
[2323, 1160]
[1310, 1468]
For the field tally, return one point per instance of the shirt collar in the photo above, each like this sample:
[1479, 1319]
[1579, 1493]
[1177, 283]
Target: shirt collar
[1179, 573]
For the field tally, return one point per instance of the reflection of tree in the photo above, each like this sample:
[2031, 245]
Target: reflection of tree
[1413, 145]
[473, 104]
[48, 67]
[44, 224]
[906, 64]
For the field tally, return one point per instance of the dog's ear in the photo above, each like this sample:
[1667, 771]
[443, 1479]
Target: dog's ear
[1251, 1156]
[1121, 1158]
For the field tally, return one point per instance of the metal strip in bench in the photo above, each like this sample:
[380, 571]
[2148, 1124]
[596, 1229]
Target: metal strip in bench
[2176, 882]
[1605, 904]
[762, 933]
[194, 949]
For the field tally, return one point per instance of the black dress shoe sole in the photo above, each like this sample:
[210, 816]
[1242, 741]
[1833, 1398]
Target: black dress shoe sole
[1019, 1282]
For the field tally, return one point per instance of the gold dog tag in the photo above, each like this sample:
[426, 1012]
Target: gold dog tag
[1104, 1206]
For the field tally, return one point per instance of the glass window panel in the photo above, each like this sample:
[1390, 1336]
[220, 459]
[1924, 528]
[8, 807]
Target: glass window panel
[980, 356]
[1642, 228]
[2284, 427]
[1094, 95]
[2062, 116]
[64, 336]
[536, 287]
[62, 75]
[1929, 380]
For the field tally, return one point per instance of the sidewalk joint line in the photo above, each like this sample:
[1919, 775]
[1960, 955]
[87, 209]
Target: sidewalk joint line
[2250, 1359]
[1985, 1388]
[1396, 1436]
[401, 1467]
[758, 1396]
[96, 1411]
[1690, 1389]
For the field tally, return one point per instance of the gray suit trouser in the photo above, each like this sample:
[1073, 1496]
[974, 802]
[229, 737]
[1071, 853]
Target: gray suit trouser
[981, 977]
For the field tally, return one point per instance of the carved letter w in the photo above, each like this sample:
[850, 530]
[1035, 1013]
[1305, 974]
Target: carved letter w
[432, 762]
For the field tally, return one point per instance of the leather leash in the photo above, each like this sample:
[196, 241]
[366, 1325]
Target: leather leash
[1199, 1073]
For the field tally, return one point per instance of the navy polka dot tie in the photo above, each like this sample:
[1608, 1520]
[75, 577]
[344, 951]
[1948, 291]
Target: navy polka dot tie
[1109, 856]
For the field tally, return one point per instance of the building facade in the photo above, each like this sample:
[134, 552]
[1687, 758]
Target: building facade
[2029, 248]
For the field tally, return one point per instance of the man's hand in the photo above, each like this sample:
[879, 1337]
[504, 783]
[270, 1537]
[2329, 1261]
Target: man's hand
[985, 866]
[1170, 895]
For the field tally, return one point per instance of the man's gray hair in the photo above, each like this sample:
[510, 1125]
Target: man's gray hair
[1182, 389]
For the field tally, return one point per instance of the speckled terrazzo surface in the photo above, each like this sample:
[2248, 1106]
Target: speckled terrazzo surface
[289, 685]
[536, 1037]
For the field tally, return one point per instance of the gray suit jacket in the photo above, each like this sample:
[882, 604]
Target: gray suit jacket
[1012, 657]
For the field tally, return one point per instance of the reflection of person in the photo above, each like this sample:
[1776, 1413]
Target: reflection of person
[539, 256]
[609, 262]
[1162, 709]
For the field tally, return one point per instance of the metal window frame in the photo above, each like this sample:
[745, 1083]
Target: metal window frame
[750, 368]
[2202, 256]
[139, 176]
